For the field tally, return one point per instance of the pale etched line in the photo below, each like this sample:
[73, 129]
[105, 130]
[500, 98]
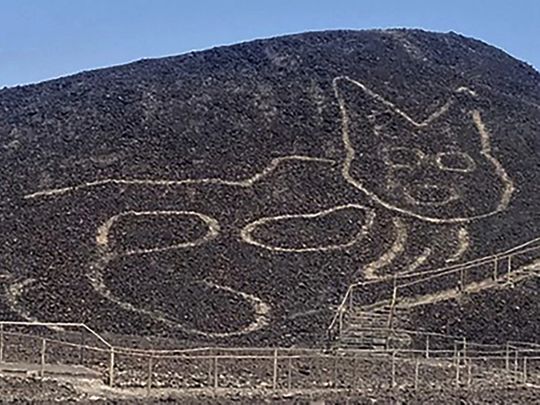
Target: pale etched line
[261, 310]
[13, 294]
[419, 261]
[499, 169]
[398, 246]
[463, 245]
[453, 195]
[247, 231]
[248, 182]
[102, 237]
[436, 114]
[350, 154]
[522, 248]
[464, 89]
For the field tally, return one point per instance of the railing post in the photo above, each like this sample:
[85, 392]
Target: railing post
[1, 342]
[393, 303]
[289, 373]
[393, 369]
[355, 371]
[524, 369]
[275, 370]
[111, 367]
[427, 346]
[351, 302]
[416, 372]
[81, 353]
[340, 326]
[516, 360]
[216, 375]
[457, 368]
[495, 269]
[507, 358]
[210, 364]
[150, 372]
[42, 363]
[335, 372]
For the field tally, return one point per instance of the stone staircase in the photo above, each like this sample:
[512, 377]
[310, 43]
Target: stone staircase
[369, 329]
[371, 314]
[515, 276]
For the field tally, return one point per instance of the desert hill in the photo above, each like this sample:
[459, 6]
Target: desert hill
[233, 195]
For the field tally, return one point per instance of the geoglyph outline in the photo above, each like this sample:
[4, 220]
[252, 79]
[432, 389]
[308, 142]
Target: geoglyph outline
[350, 152]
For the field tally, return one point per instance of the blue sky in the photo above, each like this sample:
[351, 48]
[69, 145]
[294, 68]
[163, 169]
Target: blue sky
[43, 39]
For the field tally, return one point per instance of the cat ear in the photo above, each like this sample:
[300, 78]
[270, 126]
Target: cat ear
[364, 106]
[461, 119]
[461, 104]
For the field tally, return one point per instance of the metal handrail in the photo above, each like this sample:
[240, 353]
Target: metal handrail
[58, 325]
[433, 274]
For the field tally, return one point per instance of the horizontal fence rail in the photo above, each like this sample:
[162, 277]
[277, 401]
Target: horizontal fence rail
[444, 358]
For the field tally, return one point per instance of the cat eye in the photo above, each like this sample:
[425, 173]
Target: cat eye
[402, 157]
[455, 162]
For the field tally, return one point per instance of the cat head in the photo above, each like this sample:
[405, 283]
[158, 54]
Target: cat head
[440, 169]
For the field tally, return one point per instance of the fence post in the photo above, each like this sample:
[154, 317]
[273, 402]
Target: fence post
[393, 369]
[275, 370]
[516, 359]
[216, 376]
[393, 303]
[456, 361]
[42, 363]
[355, 371]
[507, 357]
[81, 353]
[149, 381]
[340, 322]
[111, 367]
[457, 369]
[509, 264]
[495, 269]
[289, 373]
[427, 347]
[524, 369]
[335, 372]
[416, 372]
[1, 342]
[469, 373]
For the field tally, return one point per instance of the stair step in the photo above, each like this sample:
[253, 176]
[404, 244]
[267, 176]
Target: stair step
[370, 316]
[363, 341]
[363, 335]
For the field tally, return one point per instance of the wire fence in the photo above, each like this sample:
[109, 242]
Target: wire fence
[436, 360]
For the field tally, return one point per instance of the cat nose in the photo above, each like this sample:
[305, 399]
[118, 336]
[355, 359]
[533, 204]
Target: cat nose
[430, 194]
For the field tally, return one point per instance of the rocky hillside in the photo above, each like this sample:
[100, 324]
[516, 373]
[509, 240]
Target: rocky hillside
[232, 195]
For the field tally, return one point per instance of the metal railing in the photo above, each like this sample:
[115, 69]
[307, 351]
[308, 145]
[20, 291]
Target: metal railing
[444, 358]
[412, 286]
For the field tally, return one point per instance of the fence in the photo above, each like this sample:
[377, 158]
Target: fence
[437, 359]
[409, 289]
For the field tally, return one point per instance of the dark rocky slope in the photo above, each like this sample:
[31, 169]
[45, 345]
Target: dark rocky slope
[322, 167]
